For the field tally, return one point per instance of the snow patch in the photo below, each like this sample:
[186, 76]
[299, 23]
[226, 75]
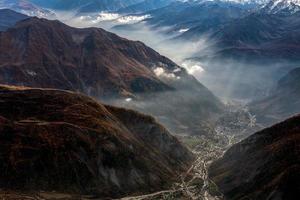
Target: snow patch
[183, 30]
[31, 73]
[128, 99]
[132, 19]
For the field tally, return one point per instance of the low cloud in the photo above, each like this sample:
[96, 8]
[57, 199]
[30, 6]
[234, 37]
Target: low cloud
[192, 67]
[160, 72]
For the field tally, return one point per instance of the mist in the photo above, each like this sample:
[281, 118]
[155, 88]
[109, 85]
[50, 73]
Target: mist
[227, 79]
[134, 27]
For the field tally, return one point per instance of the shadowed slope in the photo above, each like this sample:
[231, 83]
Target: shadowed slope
[264, 166]
[63, 141]
[282, 102]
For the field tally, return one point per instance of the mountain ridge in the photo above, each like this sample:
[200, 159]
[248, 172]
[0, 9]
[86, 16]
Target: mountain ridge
[68, 142]
[106, 66]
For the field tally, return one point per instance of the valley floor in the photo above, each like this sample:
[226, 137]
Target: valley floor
[195, 184]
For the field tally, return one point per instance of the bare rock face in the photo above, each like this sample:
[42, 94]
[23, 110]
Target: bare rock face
[264, 166]
[67, 142]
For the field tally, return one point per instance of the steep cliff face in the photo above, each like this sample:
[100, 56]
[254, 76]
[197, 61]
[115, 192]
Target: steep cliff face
[264, 166]
[67, 142]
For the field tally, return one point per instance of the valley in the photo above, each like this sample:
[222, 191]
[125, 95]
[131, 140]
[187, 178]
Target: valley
[195, 184]
[149, 99]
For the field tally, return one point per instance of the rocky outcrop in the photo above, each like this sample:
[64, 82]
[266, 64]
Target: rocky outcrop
[67, 142]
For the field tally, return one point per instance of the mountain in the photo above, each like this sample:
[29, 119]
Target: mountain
[9, 18]
[263, 166]
[27, 8]
[282, 102]
[234, 30]
[253, 29]
[68, 142]
[284, 7]
[51, 54]
[99, 63]
[195, 17]
[145, 6]
[249, 36]
[86, 5]
[259, 37]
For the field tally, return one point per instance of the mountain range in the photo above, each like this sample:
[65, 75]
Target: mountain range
[51, 54]
[234, 30]
[283, 7]
[64, 134]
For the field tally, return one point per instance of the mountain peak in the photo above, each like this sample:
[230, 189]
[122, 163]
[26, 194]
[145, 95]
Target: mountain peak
[282, 7]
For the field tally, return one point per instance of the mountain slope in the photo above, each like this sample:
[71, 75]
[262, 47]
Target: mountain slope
[282, 102]
[196, 18]
[101, 64]
[264, 166]
[259, 37]
[67, 142]
[9, 18]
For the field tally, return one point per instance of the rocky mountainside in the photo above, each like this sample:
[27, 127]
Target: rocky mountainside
[67, 142]
[264, 166]
[282, 102]
[9, 18]
[99, 63]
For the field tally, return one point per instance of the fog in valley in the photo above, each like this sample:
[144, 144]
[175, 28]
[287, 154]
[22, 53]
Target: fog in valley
[229, 79]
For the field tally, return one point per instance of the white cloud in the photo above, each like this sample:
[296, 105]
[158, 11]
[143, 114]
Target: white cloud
[193, 68]
[160, 72]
